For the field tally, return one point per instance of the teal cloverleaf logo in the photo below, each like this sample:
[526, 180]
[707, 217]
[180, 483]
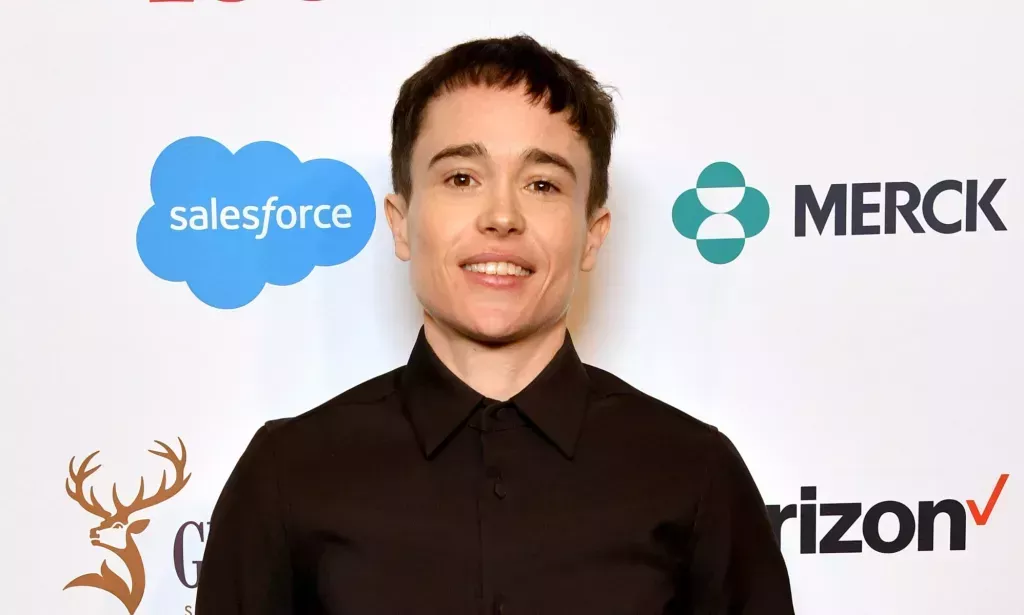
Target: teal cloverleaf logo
[721, 213]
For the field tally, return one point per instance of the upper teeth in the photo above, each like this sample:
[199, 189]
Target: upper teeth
[497, 269]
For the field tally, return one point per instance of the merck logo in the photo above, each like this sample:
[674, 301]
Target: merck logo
[908, 524]
[902, 205]
[721, 213]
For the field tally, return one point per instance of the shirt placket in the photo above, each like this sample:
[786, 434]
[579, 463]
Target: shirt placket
[495, 425]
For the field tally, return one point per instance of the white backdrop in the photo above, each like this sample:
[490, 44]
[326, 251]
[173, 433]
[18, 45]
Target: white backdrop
[873, 367]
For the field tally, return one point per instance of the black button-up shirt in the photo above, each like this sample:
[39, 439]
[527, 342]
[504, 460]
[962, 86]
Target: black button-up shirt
[411, 494]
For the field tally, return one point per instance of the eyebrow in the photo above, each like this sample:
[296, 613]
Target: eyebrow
[539, 156]
[533, 155]
[465, 150]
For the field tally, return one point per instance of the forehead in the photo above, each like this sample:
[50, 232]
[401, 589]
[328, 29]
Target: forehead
[505, 121]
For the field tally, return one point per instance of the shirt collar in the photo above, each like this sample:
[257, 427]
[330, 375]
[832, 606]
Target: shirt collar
[438, 403]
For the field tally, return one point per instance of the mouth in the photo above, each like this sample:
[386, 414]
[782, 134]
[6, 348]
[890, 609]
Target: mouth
[502, 265]
[499, 268]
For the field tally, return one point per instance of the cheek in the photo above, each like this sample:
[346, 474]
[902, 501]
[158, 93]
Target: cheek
[563, 237]
[434, 230]
[429, 231]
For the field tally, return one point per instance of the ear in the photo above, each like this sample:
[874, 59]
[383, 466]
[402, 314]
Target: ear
[137, 527]
[598, 225]
[396, 209]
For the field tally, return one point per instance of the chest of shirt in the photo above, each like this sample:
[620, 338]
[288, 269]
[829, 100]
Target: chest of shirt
[498, 518]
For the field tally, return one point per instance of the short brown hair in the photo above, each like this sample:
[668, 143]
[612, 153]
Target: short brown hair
[506, 63]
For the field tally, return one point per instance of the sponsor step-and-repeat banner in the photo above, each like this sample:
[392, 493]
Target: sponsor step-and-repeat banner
[816, 246]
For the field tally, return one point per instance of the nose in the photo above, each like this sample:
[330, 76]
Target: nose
[502, 216]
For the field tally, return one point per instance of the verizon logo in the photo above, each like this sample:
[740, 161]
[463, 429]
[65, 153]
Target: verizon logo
[913, 521]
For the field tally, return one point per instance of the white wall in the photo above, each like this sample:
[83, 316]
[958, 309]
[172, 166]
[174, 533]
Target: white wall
[880, 367]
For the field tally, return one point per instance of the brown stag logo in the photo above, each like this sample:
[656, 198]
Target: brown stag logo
[116, 530]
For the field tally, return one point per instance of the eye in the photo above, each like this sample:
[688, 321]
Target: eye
[543, 186]
[118, 526]
[460, 180]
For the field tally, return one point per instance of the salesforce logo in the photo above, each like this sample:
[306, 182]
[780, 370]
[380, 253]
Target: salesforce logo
[229, 224]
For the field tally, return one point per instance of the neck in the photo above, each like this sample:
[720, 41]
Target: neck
[495, 371]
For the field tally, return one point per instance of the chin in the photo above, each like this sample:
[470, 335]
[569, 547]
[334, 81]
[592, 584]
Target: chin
[494, 329]
[496, 335]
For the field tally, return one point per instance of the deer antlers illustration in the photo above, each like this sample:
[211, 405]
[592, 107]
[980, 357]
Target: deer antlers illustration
[79, 477]
[140, 502]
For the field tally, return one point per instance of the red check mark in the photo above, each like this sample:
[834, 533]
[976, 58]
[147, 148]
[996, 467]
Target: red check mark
[981, 518]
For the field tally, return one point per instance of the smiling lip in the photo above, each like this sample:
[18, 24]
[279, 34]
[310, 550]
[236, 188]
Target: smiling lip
[498, 257]
[504, 271]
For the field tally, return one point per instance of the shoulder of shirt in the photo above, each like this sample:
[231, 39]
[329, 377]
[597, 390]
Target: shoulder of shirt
[367, 393]
[690, 429]
[605, 384]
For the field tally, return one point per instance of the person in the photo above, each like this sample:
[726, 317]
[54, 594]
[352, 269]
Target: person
[494, 472]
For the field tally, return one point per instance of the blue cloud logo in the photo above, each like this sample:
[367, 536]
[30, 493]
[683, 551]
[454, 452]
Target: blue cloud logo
[229, 224]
